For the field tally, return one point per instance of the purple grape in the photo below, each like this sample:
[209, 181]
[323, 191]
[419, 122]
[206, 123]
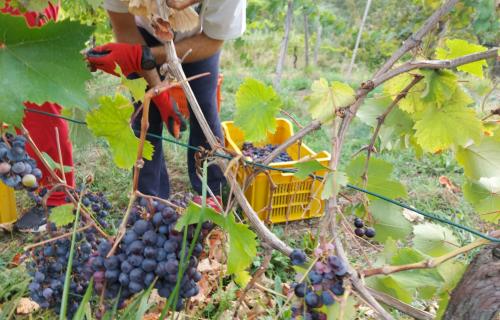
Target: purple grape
[370, 232]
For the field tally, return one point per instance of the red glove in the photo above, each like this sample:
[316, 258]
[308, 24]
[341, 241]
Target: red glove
[106, 57]
[170, 114]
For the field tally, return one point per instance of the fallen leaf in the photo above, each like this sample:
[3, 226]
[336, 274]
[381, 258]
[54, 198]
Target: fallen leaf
[446, 182]
[26, 306]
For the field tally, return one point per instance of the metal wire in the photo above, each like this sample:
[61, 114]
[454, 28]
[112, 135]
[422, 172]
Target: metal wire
[224, 156]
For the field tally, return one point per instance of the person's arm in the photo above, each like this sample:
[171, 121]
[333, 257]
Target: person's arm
[201, 45]
[125, 31]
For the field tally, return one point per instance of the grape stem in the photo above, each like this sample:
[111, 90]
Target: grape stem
[380, 122]
[140, 194]
[428, 263]
[260, 271]
[40, 155]
[59, 152]
[62, 236]
[123, 226]
[346, 295]
[86, 214]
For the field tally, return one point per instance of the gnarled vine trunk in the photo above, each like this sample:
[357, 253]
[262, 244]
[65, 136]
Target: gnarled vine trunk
[477, 295]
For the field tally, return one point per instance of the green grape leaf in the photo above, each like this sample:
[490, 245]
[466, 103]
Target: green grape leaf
[390, 286]
[349, 310]
[413, 101]
[481, 159]
[333, 182]
[325, 99]
[257, 106]
[458, 48]
[433, 239]
[41, 64]
[194, 212]
[379, 181]
[419, 278]
[242, 245]
[62, 215]
[440, 86]
[484, 195]
[137, 87]
[397, 124]
[55, 165]
[437, 128]
[112, 122]
[304, 169]
[389, 221]
[242, 240]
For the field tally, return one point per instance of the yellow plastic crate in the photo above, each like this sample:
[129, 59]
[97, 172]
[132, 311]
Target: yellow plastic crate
[292, 199]
[8, 212]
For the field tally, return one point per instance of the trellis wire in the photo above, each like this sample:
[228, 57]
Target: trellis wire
[395, 202]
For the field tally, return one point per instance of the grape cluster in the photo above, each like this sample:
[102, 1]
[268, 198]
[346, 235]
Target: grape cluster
[322, 284]
[257, 154]
[48, 269]
[17, 169]
[360, 231]
[151, 248]
[99, 205]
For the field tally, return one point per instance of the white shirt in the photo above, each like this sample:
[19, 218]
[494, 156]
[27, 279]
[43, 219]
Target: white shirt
[220, 19]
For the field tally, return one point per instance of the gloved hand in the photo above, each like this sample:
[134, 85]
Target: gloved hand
[170, 114]
[106, 57]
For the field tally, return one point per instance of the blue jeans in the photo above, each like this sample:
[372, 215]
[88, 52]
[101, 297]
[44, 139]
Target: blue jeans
[153, 179]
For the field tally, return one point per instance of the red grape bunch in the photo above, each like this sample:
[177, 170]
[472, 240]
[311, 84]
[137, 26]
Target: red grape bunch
[257, 154]
[47, 269]
[151, 248]
[322, 284]
[17, 169]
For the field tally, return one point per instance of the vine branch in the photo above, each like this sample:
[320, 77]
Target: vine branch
[428, 263]
[432, 64]
[381, 120]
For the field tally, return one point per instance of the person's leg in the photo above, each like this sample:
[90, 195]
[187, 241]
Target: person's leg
[153, 177]
[42, 129]
[205, 90]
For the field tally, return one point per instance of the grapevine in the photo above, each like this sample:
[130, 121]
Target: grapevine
[148, 250]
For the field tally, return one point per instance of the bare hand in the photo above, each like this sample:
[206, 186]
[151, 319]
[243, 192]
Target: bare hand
[181, 4]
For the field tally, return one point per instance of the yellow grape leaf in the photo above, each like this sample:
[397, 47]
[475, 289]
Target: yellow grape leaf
[62, 215]
[457, 48]
[242, 278]
[440, 86]
[112, 122]
[256, 108]
[452, 124]
[413, 101]
[325, 99]
[137, 86]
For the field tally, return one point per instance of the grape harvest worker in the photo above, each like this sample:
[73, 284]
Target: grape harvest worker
[42, 131]
[136, 47]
